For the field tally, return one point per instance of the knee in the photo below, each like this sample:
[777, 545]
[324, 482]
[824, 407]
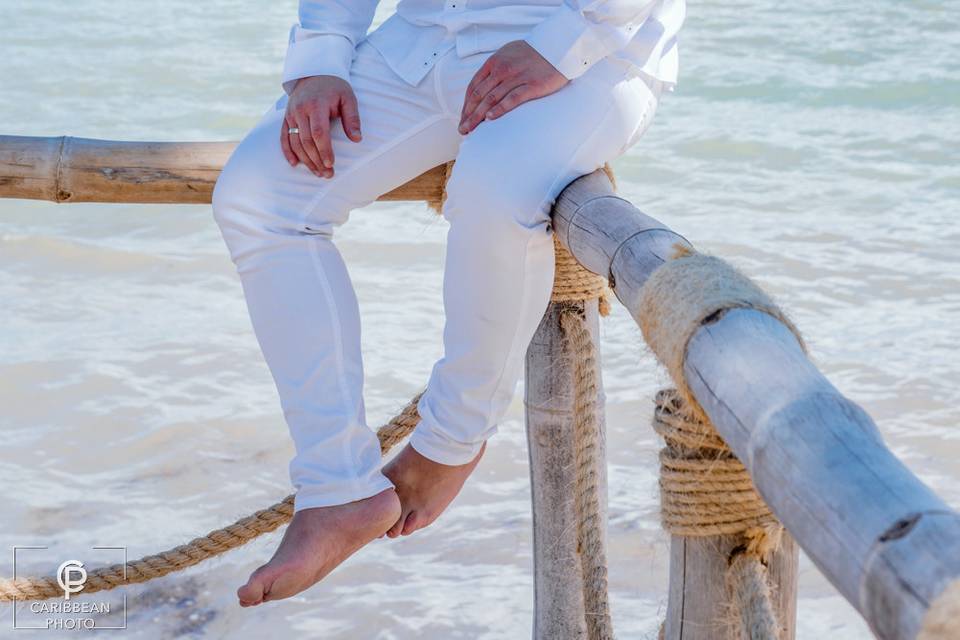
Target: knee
[234, 191]
[490, 197]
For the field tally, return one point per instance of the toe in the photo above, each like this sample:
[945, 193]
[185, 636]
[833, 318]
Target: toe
[413, 522]
[397, 527]
[252, 592]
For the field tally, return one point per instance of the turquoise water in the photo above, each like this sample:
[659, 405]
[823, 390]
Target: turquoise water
[814, 145]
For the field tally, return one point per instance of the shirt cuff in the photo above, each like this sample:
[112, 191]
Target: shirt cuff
[568, 41]
[324, 54]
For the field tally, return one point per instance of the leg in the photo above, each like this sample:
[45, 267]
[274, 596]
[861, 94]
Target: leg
[277, 222]
[499, 269]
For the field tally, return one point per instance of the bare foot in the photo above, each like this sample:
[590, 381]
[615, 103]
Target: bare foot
[425, 487]
[316, 541]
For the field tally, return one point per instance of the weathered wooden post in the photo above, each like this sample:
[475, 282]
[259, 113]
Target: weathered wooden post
[559, 608]
[698, 603]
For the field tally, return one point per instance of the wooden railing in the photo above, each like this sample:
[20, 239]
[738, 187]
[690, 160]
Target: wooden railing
[882, 537]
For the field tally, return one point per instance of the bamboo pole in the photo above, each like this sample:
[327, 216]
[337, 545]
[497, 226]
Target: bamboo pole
[67, 169]
[881, 536]
[559, 611]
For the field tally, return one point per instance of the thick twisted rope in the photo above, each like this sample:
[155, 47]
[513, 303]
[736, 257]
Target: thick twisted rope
[706, 491]
[199, 549]
[588, 458]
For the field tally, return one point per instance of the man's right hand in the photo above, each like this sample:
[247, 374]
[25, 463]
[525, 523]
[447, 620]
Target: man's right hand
[315, 102]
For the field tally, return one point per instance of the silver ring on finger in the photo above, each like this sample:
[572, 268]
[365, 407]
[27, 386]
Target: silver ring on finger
[293, 130]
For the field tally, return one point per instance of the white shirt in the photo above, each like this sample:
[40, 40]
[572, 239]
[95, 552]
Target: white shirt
[571, 34]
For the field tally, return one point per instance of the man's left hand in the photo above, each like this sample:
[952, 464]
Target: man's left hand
[513, 75]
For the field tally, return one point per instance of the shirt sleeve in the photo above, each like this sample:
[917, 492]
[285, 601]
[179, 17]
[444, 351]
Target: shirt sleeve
[324, 40]
[580, 33]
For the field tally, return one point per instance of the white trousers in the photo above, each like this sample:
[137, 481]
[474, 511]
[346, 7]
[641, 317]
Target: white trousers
[278, 222]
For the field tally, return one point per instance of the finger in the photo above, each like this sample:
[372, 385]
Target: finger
[513, 99]
[489, 101]
[298, 150]
[285, 143]
[320, 137]
[350, 116]
[307, 144]
[474, 99]
[469, 98]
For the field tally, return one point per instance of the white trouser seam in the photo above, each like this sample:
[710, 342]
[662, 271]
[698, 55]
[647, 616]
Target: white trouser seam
[438, 90]
[345, 394]
[566, 169]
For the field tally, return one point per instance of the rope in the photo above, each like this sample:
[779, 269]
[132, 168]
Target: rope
[573, 283]
[706, 491]
[197, 550]
[751, 599]
[588, 460]
[685, 292]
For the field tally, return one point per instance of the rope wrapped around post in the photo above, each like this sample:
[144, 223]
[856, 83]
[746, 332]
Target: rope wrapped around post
[572, 286]
[704, 488]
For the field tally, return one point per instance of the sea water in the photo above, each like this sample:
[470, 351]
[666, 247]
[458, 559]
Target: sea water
[814, 145]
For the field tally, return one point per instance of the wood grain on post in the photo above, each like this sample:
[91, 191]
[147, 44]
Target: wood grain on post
[698, 602]
[559, 611]
[66, 169]
[881, 536]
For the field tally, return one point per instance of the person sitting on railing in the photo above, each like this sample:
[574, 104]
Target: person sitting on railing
[526, 95]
